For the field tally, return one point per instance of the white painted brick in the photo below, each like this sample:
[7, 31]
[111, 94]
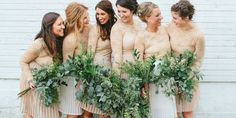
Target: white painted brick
[20, 20]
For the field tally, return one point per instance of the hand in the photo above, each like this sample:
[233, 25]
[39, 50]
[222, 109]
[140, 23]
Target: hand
[31, 84]
[144, 93]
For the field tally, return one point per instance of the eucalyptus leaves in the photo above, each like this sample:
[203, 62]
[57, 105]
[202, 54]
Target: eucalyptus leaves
[139, 72]
[103, 88]
[99, 86]
[47, 80]
[175, 74]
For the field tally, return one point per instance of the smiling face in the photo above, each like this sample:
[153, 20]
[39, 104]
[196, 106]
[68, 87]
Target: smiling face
[124, 14]
[182, 12]
[102, 16]
[179, 21]
[58, 27]
[86, 18]
[155, 17]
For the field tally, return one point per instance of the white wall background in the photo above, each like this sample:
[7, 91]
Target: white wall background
[20, 20]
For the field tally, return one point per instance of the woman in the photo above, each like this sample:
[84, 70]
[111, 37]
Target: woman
[99, 41]
[76, 36]
[154, 40]
[123, 33]
[46, 47]
[99, 36]
[185, 35]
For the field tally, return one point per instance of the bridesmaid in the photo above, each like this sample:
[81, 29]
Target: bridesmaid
[185, 35]
[154, 40]
[99, 36]
[46, 48]
[76, 36]
[99, 41]
[123, 33]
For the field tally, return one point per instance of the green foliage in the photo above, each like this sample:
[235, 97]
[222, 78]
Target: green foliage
[135, 106]
[47, 80]
[103, 88]
[139, 69]
[99, 86]
[139, 73]
[175, 74]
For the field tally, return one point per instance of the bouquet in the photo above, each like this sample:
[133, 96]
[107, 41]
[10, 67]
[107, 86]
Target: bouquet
[139, 73]
[176, 76]
[100, 86]
[103, 88]
[47, 80]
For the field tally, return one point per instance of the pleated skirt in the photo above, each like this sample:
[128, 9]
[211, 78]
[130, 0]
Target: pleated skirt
[45, 112]
[186, 106]
[68, 103]
[31, 103]
[105, 61]
[161, 106]
[91, 108]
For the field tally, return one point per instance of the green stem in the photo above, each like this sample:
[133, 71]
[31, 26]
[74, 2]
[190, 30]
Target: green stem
[23, 92]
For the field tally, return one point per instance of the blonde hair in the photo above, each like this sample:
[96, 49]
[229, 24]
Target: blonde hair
[75, 14]
[145, 10]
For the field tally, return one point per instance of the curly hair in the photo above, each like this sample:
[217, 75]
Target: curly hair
[184, 8]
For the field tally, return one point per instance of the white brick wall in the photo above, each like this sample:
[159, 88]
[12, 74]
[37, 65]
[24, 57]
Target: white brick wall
[20, 21]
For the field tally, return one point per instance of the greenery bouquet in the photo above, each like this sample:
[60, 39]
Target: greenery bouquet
[139, 73]
[174, 73]
[47, 80]
[99, 86]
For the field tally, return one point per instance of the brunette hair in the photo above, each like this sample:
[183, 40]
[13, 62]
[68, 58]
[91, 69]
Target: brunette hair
[105, 29]
[47, 35]
[184, 8]
[132, 5]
